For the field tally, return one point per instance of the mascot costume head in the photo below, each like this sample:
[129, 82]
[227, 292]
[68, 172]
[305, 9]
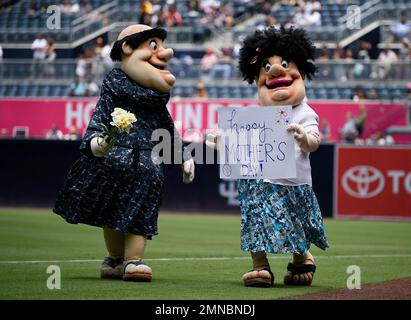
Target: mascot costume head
[278, 60]
[146, 65]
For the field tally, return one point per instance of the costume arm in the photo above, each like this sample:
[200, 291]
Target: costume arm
[93, 144]
[308, 141]
[306, 132]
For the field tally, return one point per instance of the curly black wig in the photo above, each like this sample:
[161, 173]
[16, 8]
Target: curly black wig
[292, 44]
[134, 40]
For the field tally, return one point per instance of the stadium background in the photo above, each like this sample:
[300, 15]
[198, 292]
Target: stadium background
[54, 56]
[364, 60]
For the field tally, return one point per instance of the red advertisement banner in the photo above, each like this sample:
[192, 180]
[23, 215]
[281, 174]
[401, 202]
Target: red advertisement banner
[372, 182]
[191, 116]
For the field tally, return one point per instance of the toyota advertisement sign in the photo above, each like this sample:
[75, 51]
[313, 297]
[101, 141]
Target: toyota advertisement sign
[372, 181]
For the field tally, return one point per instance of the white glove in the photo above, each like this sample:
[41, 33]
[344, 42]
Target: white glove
[213, 140]
[99, 147]
[188, 171]
[299, 132]
[308, 141]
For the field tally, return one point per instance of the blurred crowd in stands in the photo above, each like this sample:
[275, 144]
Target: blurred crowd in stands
[203, 12]
[306, 13]
[93, 63]
[54, 133]
[67, 7]
[358, 61]
[352, 131]
[219, 63]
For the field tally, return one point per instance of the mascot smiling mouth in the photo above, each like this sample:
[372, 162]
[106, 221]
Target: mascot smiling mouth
[278, 84]
[162, 68]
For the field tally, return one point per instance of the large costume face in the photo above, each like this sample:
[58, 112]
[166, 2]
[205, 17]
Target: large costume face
[147, 64]
[280, 83]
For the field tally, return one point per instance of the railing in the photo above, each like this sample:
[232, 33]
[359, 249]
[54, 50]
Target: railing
[111, 16]
[100, 10]
[187, 69]
[370, 12]
[86, 26]
[174, 35]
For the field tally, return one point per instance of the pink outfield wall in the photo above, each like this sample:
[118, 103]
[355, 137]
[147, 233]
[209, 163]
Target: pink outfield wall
[40, 114]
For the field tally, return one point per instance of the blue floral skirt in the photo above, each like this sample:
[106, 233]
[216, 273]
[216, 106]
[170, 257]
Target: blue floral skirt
[278, 218]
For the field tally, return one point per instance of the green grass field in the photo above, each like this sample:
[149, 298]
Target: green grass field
[193, 257]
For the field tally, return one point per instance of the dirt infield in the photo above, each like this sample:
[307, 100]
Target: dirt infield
[389, 290]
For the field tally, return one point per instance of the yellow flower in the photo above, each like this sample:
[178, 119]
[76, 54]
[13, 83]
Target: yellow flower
[118, 112]
[122, 119]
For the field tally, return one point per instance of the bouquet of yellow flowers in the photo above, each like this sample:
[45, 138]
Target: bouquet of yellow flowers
[122, 122]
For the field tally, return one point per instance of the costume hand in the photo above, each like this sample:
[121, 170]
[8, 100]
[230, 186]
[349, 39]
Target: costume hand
[308, 141]
[188, 171]
[299, 133]
[99, 147]
[213, 140]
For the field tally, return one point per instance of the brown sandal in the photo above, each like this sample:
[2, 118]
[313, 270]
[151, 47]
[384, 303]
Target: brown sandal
[301, 274]
[262, 278]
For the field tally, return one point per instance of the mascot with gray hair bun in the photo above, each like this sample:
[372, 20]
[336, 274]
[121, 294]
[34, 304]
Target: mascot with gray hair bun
[282, 215]
[117, 185]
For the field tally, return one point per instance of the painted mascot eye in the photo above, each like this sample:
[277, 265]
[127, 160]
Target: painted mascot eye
[266, 65]
[284, 64]
[153, 45]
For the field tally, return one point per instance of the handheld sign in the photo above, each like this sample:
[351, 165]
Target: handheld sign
[255, 144]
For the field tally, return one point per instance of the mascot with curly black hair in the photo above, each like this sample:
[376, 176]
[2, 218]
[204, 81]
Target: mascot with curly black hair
[281, 215]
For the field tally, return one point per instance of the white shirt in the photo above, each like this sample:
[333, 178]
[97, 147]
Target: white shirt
[313, 19]
[92, 87]
[310, 6]
[105, 54]
[81, 68]
[39, 46]
[386, 58]
[306, 117]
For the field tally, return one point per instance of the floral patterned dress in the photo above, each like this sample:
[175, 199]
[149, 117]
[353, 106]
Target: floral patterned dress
[279, 218]
[122, 190]
[283, 215]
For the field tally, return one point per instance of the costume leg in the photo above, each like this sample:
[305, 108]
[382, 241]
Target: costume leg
[114, 243]
[260, 275]
[260, 260]
[301, 270]
[112, 266]
[134, 246]
[134, 267]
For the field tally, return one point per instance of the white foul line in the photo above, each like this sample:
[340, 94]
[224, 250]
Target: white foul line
[372, 256]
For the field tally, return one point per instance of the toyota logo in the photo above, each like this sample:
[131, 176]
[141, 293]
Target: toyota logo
[363, 182]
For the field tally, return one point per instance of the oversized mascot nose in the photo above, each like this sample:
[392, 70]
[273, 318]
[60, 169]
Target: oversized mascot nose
[277, 70]
[165, 54]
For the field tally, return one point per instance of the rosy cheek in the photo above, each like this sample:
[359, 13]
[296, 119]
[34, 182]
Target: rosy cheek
[261, 80]
[143, 54]
[294, 74]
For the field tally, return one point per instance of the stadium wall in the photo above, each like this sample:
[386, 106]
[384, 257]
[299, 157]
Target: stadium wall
[349, 181]
[192, 116]
[32, 172]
